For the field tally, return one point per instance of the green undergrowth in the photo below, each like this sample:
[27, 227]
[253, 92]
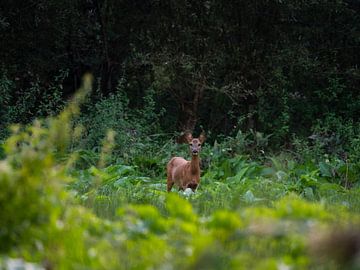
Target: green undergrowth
[63, 209]
[226, 183]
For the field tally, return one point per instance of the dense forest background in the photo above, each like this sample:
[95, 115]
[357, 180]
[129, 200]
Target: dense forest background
[284, 68]
[94, 97]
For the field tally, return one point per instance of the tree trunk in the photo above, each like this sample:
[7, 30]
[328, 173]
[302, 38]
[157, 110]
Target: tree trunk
[106, 66]
[251, 119]
[188, 115]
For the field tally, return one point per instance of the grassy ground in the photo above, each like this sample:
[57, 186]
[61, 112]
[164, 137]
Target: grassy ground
[245, 214]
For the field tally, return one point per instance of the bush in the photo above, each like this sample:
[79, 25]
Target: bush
[6, 88]
[132, 127]
[36, 100]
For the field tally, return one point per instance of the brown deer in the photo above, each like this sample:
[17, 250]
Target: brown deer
[186, 174]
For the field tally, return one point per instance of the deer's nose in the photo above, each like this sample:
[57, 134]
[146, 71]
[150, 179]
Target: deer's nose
[195, 151]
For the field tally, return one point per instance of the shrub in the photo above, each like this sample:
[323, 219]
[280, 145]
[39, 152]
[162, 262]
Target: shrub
[6, 88]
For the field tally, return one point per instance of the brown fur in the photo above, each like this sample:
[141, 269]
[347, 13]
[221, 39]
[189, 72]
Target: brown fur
[183, 173]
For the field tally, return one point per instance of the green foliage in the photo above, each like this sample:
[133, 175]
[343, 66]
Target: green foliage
[32, 179]
[89, 192]
[134, 130]
[6, 87]
[244, 214]
[34, 202]
[108, 113]
[28, 166]
[35, 101]
[276, 114]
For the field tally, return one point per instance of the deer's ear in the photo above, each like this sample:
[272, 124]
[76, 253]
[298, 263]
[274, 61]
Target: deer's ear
[188, 137]
[202, 137]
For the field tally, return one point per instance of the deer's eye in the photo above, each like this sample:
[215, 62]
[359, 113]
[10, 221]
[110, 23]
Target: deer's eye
[190, 144]
[199, 144]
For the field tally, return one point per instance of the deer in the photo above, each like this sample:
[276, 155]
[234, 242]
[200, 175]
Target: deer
[183, 173]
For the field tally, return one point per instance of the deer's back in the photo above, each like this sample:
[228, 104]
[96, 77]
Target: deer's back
[177, 168]
[177, 161]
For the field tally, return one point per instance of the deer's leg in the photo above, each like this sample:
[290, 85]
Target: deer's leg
[169, 185]
[169, 181]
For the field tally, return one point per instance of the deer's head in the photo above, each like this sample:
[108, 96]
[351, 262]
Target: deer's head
[195, 143]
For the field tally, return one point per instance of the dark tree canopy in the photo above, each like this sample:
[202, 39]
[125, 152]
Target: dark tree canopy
[275, 66]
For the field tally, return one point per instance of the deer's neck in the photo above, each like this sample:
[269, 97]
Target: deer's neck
[195, 164]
